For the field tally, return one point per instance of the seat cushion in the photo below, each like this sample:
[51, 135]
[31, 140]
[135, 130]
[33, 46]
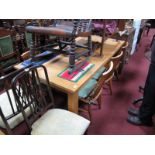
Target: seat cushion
[6, 109]
[60, 122]
[99, 73]
[86, 89]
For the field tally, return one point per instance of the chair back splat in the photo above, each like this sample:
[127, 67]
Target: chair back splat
[117, 59]
[44, 119]
[30, 92]
[105, 76]
[10, 114]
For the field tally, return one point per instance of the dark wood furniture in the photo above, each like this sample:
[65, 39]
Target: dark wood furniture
[104, 28]
[44, 118]
[9, 55]
[11, 119]
[69, 30]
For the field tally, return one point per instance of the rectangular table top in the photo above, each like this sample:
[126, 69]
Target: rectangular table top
[59, 63]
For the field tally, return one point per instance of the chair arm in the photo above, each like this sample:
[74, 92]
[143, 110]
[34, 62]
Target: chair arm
[25, 55]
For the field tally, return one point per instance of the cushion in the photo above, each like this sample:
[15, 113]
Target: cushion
[6, 45]
[6, 109]
[86, 89]
[60, 122]
[99, 73]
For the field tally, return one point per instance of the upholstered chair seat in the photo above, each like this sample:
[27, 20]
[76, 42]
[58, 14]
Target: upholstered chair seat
[60, 122]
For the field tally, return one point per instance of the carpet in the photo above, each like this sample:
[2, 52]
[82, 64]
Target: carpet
[111, 118]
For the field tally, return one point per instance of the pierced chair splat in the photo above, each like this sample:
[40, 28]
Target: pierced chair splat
[45, 119]
[11, 117]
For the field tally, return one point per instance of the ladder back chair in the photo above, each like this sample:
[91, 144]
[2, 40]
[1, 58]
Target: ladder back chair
[44, 119]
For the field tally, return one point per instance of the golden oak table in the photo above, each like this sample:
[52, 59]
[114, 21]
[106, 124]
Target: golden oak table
[58, 64]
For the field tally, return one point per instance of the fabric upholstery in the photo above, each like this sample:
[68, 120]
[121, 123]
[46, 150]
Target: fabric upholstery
[6, 108]
[60, 122]
[6, 45]
[99, 73]
[86, 89]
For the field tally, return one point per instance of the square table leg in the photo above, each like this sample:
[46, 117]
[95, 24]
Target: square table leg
[73, 102]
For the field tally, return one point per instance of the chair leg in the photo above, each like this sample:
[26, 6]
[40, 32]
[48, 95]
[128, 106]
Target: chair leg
[89, 112]
[148, 29]
[99, 101]
[110, 86]
[116, 74]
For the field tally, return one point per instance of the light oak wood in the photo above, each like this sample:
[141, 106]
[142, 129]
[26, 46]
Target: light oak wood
[73, 98]
[58, 64]
[84, 40]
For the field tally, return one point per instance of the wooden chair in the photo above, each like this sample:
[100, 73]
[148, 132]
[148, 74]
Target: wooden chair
[10, 116]
[125, 53]
[124, 58]
[99, 74]
[91, 93]
[69, 31]
[25, 39]
[44, 118]
[8, 55]
[117, 59]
